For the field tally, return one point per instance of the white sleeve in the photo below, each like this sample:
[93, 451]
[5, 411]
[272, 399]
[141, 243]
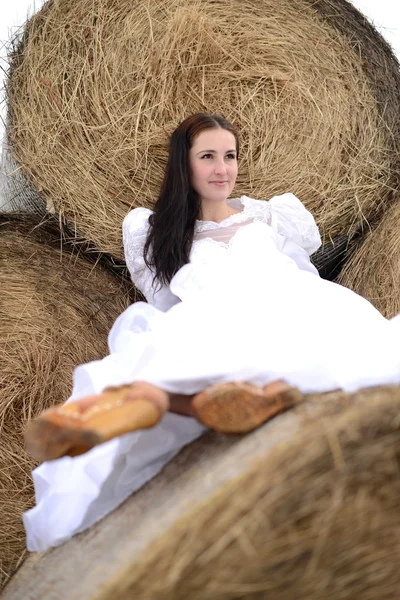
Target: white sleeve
[290, 218]
[299, 255]
[134, 229]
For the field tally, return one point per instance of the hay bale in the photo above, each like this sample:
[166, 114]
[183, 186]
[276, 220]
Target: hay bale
[306, 507]
[94, 87]
[56, 309]
[373, 270]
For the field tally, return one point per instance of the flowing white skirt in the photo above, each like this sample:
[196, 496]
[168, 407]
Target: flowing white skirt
[249, 315]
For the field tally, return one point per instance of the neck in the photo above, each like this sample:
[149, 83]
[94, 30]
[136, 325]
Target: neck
[215, 211]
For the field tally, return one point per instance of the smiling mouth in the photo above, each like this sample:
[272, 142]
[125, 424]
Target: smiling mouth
[218, 182]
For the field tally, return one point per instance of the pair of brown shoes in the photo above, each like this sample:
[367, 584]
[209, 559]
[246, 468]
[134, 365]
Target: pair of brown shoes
[75, 428]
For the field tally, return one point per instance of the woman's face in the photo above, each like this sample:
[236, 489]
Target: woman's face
[213, 164]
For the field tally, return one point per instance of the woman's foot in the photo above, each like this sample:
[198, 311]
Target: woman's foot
[241, 407]
[76, 427]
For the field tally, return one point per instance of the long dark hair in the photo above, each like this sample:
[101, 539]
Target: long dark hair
[177, 208]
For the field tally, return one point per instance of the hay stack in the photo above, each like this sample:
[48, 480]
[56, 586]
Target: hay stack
[305, 508]
[56, 309]
[374, 268]
[95, 86]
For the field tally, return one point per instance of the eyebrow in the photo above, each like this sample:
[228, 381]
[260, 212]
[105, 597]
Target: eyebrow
[202, 151]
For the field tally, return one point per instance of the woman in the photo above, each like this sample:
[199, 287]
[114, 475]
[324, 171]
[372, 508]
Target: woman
[231, 334]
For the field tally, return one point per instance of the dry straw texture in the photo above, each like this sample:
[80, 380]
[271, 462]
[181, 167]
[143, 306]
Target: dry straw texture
[315, 518]
[96, 85]
[56, 308]
[374, 269]
[304, 508]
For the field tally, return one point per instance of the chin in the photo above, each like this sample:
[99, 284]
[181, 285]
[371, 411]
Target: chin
[220, 197]
[222, 193]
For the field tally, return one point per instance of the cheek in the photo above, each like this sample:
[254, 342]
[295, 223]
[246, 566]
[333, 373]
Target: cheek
[193, 172]
[197, 177]
[200, 172]
[234, 171]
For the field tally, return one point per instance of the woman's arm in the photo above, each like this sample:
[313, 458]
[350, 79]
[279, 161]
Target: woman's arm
[135, 229]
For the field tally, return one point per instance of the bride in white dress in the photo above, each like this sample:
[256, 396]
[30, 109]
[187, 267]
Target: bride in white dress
[238, 325]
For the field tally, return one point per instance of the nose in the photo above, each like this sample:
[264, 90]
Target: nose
[220, 167]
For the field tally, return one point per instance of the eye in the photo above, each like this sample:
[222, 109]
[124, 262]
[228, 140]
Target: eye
[208, 155]
[231, 155]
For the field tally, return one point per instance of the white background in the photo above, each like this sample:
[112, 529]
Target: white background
[385, 14]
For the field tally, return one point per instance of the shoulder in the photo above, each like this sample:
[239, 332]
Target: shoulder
[287, 208]
[136, 220]
[289, 217]
[284, 204]
[250, 205]
[287, 201]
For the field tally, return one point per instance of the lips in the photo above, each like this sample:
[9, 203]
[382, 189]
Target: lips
[219, 182]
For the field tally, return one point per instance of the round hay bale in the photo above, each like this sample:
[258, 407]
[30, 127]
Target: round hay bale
[373, 270]
[306, 507]
[95, 86]
[56, 309]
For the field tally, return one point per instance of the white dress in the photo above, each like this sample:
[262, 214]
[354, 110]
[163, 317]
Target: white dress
[248, 307]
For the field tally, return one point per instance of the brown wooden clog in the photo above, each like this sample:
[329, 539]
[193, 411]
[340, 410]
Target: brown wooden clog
[76, 427]
[241, 407]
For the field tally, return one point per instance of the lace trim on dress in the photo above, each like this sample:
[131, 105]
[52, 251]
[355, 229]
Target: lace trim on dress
[257, 210]
[197, 255]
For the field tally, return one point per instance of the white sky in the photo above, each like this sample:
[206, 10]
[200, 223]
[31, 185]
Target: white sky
[385, 14]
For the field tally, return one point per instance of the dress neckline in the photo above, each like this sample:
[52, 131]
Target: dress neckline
[236, 203]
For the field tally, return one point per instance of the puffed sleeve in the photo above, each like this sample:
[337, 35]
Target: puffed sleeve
[134, 229]
[290, 218]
